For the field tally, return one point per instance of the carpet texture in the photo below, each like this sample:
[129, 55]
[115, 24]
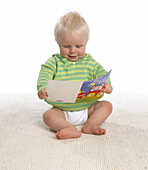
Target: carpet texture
[26, 143]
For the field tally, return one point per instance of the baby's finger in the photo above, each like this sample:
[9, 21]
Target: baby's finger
[46, 94]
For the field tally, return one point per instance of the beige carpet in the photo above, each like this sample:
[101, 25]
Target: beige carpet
[27, 144]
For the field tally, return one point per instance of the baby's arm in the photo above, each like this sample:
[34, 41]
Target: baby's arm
[42, 94]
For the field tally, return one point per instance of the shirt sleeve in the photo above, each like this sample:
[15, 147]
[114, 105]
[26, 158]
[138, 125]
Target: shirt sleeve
[46, 73]
[99, 71]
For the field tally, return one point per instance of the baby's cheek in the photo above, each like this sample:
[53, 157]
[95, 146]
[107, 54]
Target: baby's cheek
[81, 52]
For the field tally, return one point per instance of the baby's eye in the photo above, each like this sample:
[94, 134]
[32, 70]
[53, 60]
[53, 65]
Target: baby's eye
[78, 46]
[66, 46]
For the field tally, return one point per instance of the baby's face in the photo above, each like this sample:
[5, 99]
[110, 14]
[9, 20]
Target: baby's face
[72, 47]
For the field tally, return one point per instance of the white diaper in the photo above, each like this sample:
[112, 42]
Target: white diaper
[76, 117]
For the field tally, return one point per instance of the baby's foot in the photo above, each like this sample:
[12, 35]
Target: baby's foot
[93, 129]
[68, 132]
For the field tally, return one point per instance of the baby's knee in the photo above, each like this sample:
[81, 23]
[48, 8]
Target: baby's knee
[46, 116]
[109, 106]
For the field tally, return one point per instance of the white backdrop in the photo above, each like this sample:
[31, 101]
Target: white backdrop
[118, 40]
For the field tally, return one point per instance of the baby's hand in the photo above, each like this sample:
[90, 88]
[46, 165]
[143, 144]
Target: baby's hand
[43, 94]
[108, 88]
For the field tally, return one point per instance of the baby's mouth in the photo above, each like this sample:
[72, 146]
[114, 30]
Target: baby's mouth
[72, 57]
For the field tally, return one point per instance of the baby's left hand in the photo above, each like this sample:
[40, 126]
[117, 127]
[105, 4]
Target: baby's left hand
[108, 88]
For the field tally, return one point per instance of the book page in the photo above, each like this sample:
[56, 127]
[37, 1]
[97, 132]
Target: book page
[63, 91]
[92, 90]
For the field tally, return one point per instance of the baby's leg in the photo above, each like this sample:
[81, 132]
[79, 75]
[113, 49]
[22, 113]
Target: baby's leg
[55, 119]
[97, 114]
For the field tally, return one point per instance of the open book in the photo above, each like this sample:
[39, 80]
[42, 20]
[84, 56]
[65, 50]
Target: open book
[77, 91]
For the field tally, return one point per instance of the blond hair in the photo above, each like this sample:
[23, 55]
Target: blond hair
[72, 23]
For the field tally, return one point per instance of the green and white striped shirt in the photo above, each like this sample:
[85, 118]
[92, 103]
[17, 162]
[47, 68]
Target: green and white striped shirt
[60, 68]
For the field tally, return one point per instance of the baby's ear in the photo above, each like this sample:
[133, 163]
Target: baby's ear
[58, 43]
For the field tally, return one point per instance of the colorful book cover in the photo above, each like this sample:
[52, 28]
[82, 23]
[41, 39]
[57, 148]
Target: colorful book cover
[92, 90]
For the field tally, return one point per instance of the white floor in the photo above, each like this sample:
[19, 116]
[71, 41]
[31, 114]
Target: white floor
[27, 144]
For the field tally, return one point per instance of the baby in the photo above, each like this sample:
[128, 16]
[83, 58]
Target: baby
[73, 64]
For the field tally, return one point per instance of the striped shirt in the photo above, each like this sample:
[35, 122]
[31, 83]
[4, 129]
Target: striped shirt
[60, 68]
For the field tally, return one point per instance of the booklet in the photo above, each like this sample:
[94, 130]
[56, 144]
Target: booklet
[77, 91]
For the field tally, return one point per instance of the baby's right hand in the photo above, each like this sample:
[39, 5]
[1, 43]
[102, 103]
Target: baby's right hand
[42, 94]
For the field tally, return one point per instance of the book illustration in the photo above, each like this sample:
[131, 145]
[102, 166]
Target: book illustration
[77, 91]
[92, 93]
[92, 90]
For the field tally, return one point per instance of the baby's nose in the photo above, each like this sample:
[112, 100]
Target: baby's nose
[72, 50]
